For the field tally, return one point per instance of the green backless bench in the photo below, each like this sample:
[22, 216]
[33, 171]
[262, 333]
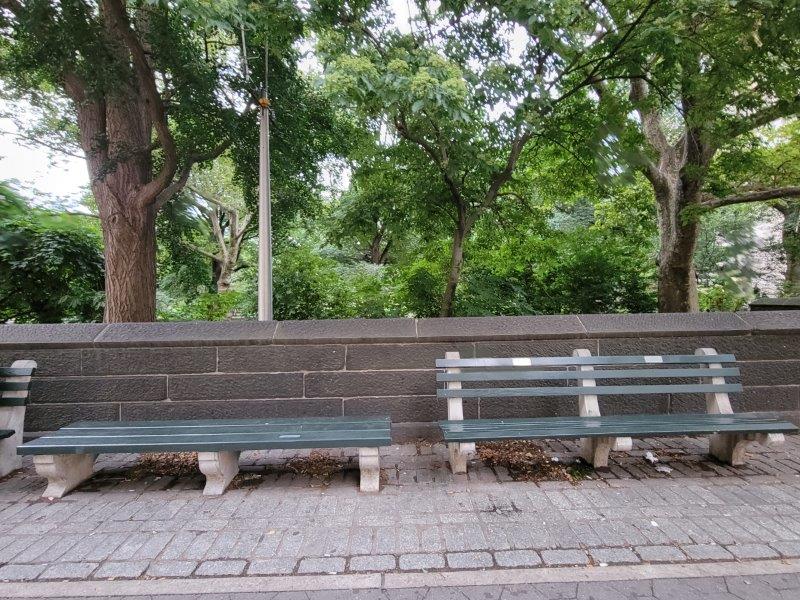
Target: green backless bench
[590, 378]
[66, 457]
[15, 383]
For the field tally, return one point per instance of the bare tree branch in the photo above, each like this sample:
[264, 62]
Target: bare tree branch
[755, 196]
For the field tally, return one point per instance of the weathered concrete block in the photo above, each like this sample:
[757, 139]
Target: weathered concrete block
[232, 409]
[770, 372]
[239, 386]
[663, 324]
[345, 330]
[135, 361]
[64, 335]
[277, 358]
[49, 417]
[386, 357]
[774, 321]
[350, 384]
[191, 333]
[51, 362]
[413, 409]
[499, 328]
[98, 389]
[533, 348]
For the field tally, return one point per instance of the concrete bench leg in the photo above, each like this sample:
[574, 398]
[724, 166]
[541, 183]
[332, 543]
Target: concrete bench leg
[10, 461]
[219, 468]
[460, 453]
[64, 472]
[369, 463]
[732, 447]
[595, 450]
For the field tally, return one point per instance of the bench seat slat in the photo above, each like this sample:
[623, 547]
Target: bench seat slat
[556, 361]
[575, 375]
[6, 433]
[340, 433]
[612, 426]
[16, 371]
[601, 390]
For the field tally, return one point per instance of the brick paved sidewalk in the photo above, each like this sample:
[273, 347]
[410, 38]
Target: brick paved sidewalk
[424, 519]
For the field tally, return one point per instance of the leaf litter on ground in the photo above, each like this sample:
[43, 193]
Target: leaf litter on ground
[527, 461]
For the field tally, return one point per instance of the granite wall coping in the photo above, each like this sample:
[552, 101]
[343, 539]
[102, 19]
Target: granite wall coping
[356, 331]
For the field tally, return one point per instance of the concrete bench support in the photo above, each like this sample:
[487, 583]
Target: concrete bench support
[461, 452]
[219, 468]
[12, 417]
[595, 450]
[369, 463]
[730, 447]
[64, 472]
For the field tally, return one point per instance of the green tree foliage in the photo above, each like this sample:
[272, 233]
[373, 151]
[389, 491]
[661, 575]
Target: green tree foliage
[51, 264]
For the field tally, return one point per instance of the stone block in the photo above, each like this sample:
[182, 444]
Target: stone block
[219, 568]
[98, 389]
[772, 321]
[406, 409]
[771, 372]
[560, 558]
[280, 358]
[517, 558]
[787, 549]
[744, 347]
[232, 409]
[121, 570]
[614, 556]
[385, 357]
[49, 417]
[761, 551]
[656, 554]
[138, 361]
[421, 562]
[328, 564]
[376, 563]
[499, 328]
[239, 386]
[69, 570]
[50, 362]
[345, 330]
[706, 552]
[53, 335]
[20, 572]
[351, 384]
[188, 333]
[469, 560]
[171, 568]
[663, 324]
[271, 566]
[534, 348]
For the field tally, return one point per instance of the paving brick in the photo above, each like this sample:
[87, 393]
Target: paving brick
[172, 568]
[787, 549]
[614, 556]
[660, 554]
[517, 558]
[706, 552]
[329, 564]
[69, 570]
[564, 557]
[421, 562]
[376, 562]
[469, 560]
[20, 572]
[271, 566]
[123, 569]
[216, 568]
[752, 551]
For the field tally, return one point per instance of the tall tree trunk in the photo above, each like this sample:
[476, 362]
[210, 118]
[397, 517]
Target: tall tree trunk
[677, 281]
[456, 262]
[791, 247]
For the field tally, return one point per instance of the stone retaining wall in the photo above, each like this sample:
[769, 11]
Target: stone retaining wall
[368, 367]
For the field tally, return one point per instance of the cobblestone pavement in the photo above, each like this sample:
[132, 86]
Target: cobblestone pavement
[424, 519]
[764, 587]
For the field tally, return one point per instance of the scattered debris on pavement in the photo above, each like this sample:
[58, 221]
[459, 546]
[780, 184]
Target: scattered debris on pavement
[527, 461]
[316, 465]
[162, 464]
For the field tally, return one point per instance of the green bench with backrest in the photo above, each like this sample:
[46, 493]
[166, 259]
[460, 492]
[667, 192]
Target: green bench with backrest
[15, 383]
[591, 378]
[66, 457]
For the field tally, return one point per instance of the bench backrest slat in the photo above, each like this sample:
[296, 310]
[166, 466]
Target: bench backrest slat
[567, 361]
[602, 390]
[15, 383]
[576, 375]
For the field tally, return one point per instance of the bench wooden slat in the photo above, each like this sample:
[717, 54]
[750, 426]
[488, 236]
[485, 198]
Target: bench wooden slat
[612, 426]
[14, 386]
[339, 434]
[575, 375]
[601, 390]
[556, 361]
[16, 372]
[6, 433]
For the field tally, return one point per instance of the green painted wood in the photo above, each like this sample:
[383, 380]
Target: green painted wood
[576, 375]
[600, 390]
[15, 372]
[556, 361]
[612, 426]
[6, 433]
[13, 401]
[14, 386]
[214, 436]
